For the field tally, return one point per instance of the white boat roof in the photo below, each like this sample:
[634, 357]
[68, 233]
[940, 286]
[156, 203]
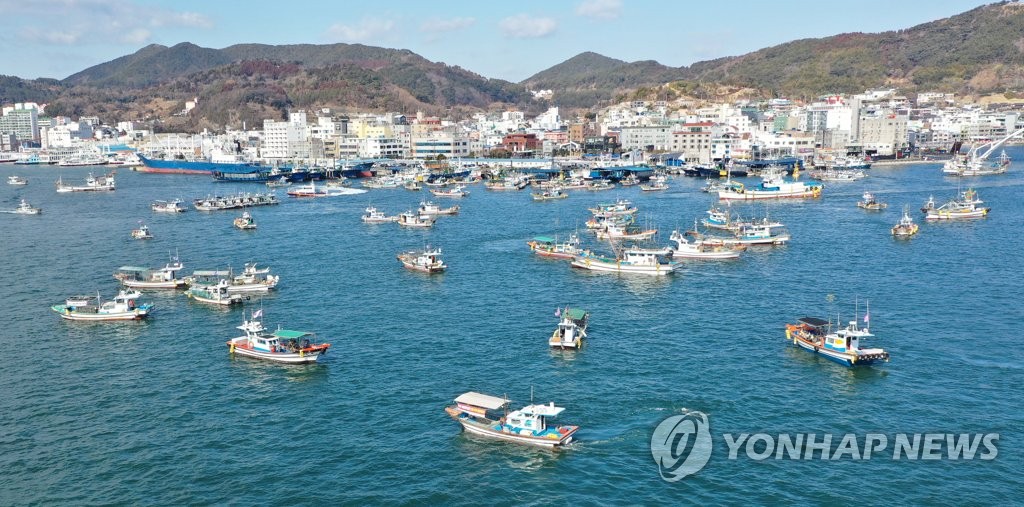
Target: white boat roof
[545, 410]
[481, 400]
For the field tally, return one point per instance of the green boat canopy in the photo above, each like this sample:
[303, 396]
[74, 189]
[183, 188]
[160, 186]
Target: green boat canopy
[576, 313]
[288, 334]
[543, 239]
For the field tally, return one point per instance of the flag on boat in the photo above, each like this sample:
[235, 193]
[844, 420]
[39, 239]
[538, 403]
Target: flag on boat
[867, 318]
[257, 313]
[558, 312]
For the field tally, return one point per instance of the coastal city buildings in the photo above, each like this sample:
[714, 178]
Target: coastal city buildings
[880, 123]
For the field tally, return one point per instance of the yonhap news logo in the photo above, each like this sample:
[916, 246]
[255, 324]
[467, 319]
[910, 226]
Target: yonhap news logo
[681, 446]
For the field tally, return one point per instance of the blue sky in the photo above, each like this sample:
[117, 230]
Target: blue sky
[506, 40]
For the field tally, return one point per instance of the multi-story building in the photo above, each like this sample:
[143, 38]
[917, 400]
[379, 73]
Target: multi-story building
[647, 138]
[439, 143]
[693, 142]
[20, 122]
[286, 139]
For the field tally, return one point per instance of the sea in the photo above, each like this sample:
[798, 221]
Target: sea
[159, 413]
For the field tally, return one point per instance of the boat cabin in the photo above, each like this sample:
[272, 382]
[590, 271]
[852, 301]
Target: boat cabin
[477, 405]
[531, 419]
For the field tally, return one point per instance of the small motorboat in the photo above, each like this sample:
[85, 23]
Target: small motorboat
[122, 307]
[16, 180]
[906, 227]
[456, 191]
[24, 208]
[571, 330]
[142, 232]
[245, 222]
[175, 206]
[217, 294]
[375, 216]
[427, 261]
[282, 346]
[869, 202]
[527, 425]
[430, 209]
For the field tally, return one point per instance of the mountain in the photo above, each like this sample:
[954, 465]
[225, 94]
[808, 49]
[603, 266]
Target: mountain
[980, 51]
[975, 52]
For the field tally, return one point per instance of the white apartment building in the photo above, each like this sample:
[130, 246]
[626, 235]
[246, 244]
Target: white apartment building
[693, 142]
[440, 143]
[286, 139]
[654, 138]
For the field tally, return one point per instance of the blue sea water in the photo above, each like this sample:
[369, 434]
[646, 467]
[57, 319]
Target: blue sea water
[157, 412]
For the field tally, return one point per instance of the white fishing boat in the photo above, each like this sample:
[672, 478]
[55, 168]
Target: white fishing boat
[477, 414]
[456, 191]
[24, 208]
[92, 184]
[122, 307]
[549, 195]
[844, 346]
[870, 202]
[906, 227]
[598, 185]
[16, 180]
[630, 261]
[142, 232]
[965, 207]
[427, 261]
[216, 294]
[375, 216]
[175, 206]
[545, 246]
[838, 175]
[428, 208]
[571, 330]
[245, 222]
[630, 180]
[415, 220]
[618, 208]
[414, 186]
[282, 346]
[253, 280]
[699, 249]
[975, 161]
[773, 186]
[625, 233]
[762, 232]
[312, 190]
[151, 278]
[655, 184]
[721, 219]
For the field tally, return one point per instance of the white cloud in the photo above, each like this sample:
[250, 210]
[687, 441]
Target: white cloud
[600, 9]
[368, 29]
[446, 25]
[69, 22]
[523, 26]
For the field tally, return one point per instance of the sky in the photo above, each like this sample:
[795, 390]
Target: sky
[504, 40]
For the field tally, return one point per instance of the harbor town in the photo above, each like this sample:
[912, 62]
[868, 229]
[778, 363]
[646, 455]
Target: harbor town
[520, 304]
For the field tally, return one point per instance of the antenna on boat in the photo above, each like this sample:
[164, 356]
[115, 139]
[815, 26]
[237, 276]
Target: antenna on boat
[531, 395]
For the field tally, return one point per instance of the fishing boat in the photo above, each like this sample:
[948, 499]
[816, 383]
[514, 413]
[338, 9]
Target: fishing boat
[549, 195]
[245, 222]
[151, 278]
[869, 202]
[16, 180]
[965, 207]
[655, 184]
[374, 216]
[428, 208]
[618, 208]
[838, 175]
[456, 191]
[122, 307]
[906, 227]
[477, 414]
[92, 184]
[241, 200]
[413, 186]
[142, 232]
[973, 163]
[282, 346]
[253, 279]
[721, 219]
[631, 260]
[598, 185]
[545, 246]
[217, 294]
[175, 206]
[773, 186]
[699, 249]
[24, 208]
[571, 330]
[842, 346]
[427, 261]
[630, 180]
[415, 220]
[762, 232]
[625, 233]
[278, 182]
